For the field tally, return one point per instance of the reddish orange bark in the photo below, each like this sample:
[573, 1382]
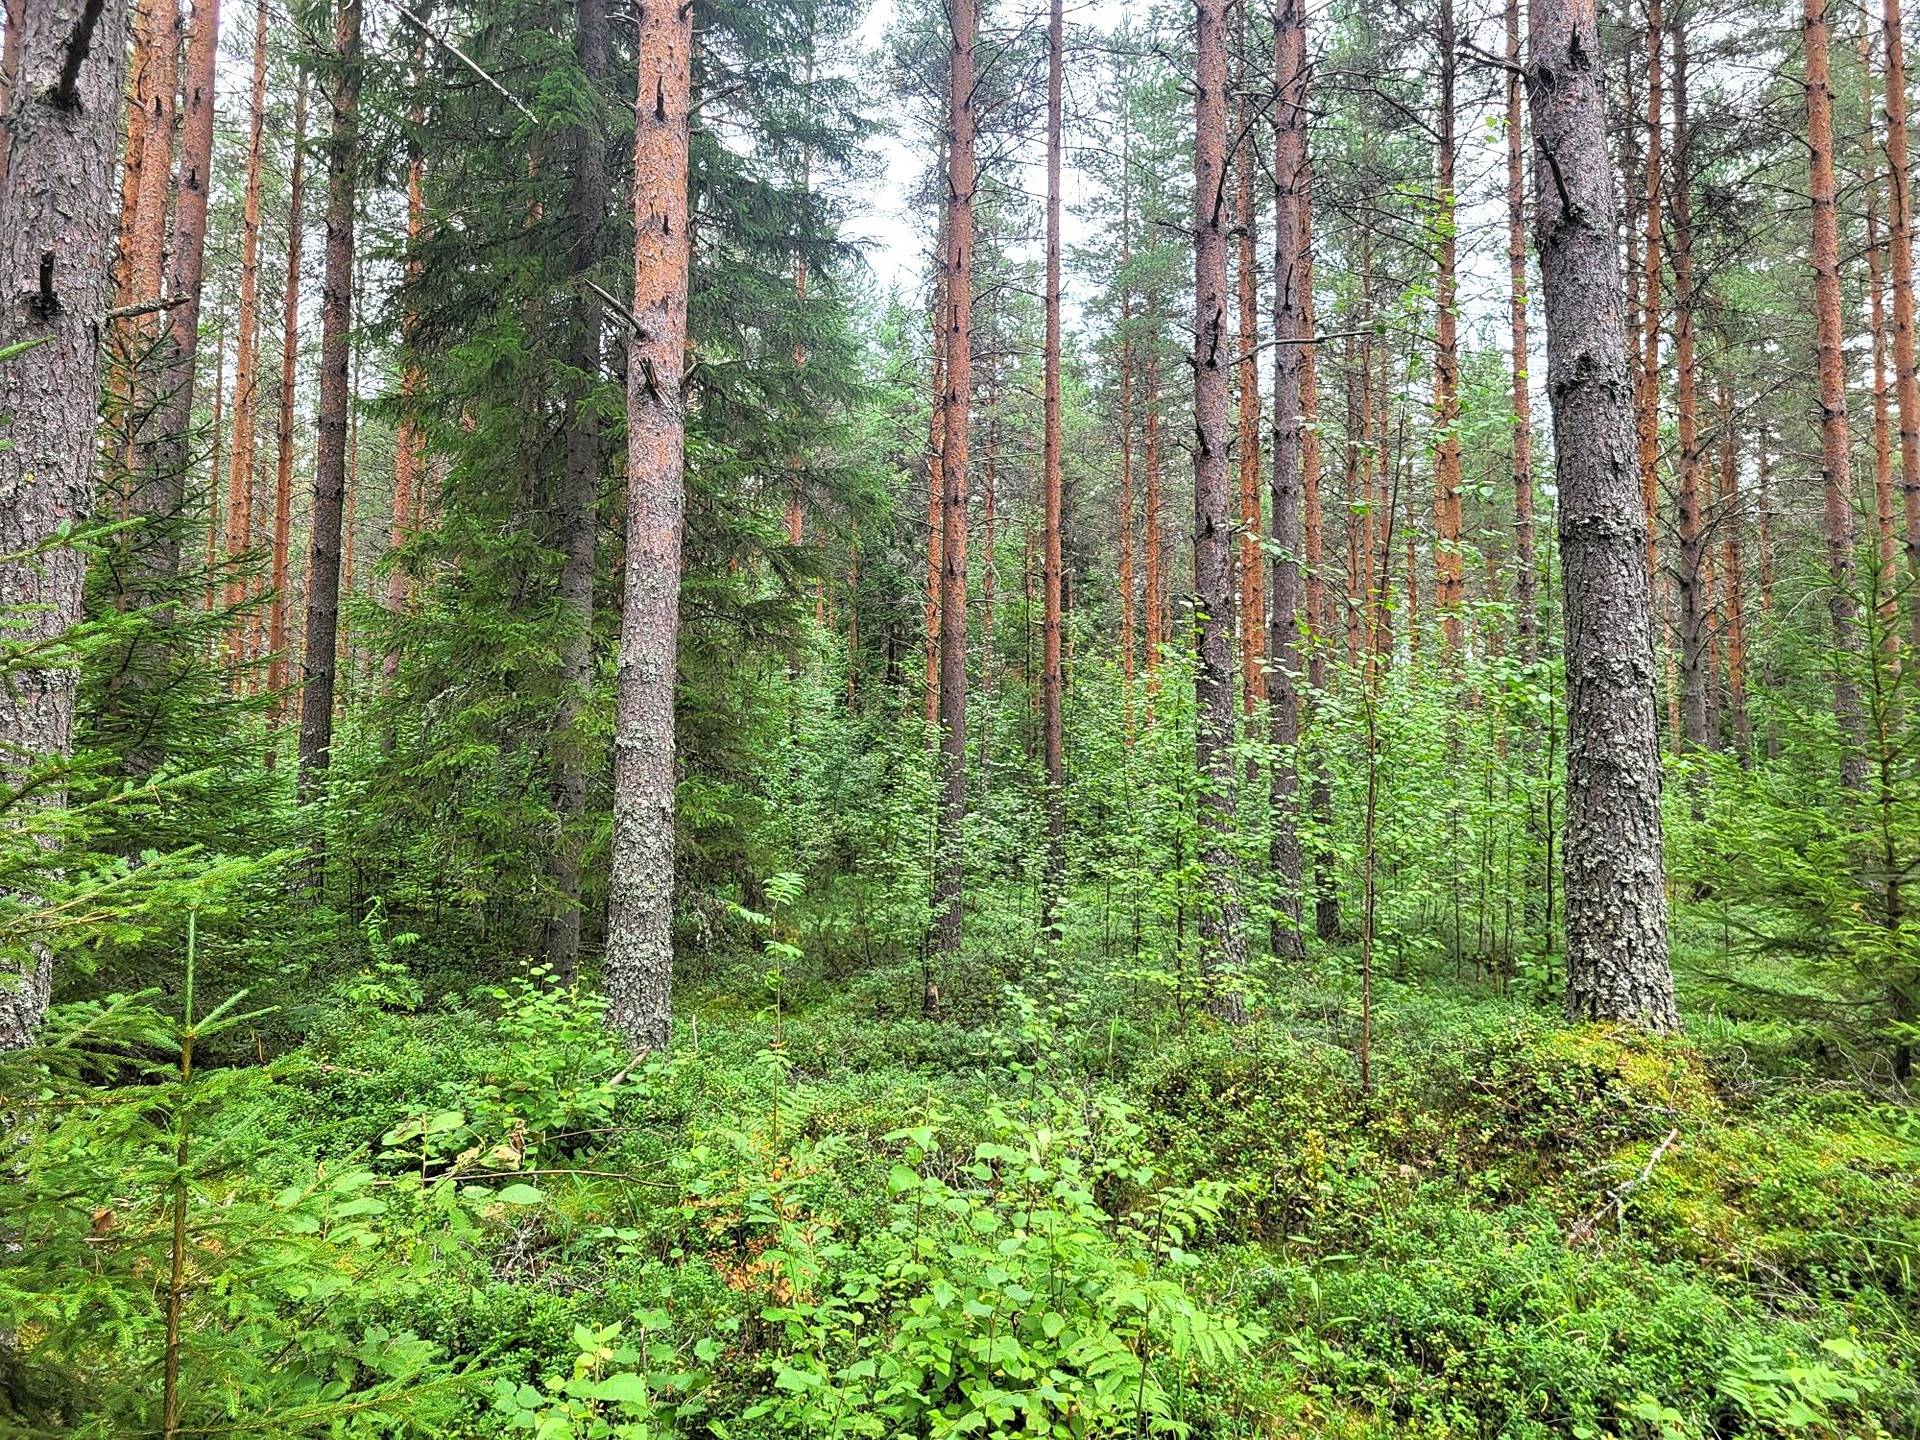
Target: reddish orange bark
[1900, 262]
[1733, 577]
[1253, 606]
[277, 646]
[246, 371]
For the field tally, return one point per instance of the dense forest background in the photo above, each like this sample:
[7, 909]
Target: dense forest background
[993, 720]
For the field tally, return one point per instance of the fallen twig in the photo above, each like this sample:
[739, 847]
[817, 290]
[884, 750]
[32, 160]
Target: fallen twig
[1616, 1200]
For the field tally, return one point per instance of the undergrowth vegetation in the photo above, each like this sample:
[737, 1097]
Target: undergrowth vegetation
[469, 1213]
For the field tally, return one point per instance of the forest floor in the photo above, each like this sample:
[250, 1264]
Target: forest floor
[1090, 1215]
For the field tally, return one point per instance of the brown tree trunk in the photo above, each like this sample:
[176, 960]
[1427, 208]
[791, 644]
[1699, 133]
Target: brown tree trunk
[330, 455]
[1526, 601]
[578, 515]
[1152, 596]
[1449, 589]
[160, 459]
[1689, 579]
[1128, 617]
[159, 90]
[639, 968]
[277, 644]
[1326, 902]
[1223, 944]
[409, 441]
[936, 452]
[1900, 262]
[1253, 603]
[1616, 906]
[1733, 566]
[958, 402]
[1886, 530]
[215, 519]
[56, 237]
[1835, 457]
[246, 364]
[1050, 488]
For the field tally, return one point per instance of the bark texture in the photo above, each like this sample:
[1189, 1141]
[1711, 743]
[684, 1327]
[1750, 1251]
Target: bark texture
[1449, 588]
[1253, 601]
[1900, 264]
[56, 239]
[277, 645]
[1290, 329]
[639, 971]
[1526, 590]
[1222, 929]
[330, 456]
[1690, 583]
[950, 852]
[1616, 905]
[1835, 458]
[1051, 679]
[246, 371]
[576, 521]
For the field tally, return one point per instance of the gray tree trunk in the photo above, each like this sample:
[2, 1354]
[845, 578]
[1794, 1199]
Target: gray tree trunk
[1290, 332]
[1223, 941]
[639, 971]
[578, 510]
[1616, 905]
[330, 421]
[56, 239]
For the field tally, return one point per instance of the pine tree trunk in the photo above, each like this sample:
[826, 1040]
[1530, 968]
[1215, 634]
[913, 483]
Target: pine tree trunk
[1449, 589]
[1647, 395]
[1526, 600]
[1128, 613]
[1290, 330]
[1886, 571]
[246, 364]
[1900, 263]
[277, 643]
[1222, 930]
[409, 441]
[1326, 903]
[936, 452]
[1253, 602]
[958, 404]
[578, 517]
[215, 518]
[330, 456]
[1152, 596]
[1835, 456]
[640, 907]
[1689, 581]
[56, 237]
[159, 90]
[1733, 565]
[1616, 907]
[1050, 487]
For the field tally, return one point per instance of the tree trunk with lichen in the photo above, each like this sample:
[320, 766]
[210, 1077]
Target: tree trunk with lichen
[56, 244]
[1616, 904]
